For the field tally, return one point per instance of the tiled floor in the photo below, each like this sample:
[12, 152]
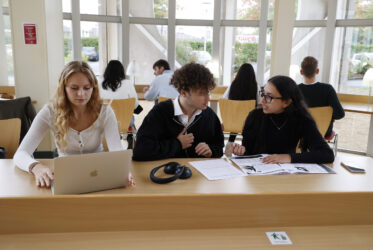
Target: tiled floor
[352, 129]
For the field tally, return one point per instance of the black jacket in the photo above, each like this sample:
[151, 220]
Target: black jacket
[320, 95]
[156, 138]
[18, 108]
[261, 134]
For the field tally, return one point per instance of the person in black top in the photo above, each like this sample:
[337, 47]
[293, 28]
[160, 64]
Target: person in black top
[317, 94]
[243, 87]
[186, 126]
[280, 124]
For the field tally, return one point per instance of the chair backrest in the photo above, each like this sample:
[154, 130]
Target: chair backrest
[8, 92]
[162, 99]
[234, 113]
[18, 108]
[123, 109]
[322, 117]
[10, 131]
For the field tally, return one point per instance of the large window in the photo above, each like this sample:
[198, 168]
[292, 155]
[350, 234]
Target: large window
[148, 43]
[354, 58]
[193, 44]
[194, 9]
[306, 42]
[149, 8]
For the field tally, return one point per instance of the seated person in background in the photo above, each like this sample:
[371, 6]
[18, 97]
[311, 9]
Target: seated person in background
[317, 94]
[186, 126]
[243, 87]
[280, 124]
[160, 86]
[114, 84]
[77, 118]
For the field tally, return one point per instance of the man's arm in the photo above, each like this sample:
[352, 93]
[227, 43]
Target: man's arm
[338, 111]
[152, 141]
[153, 92]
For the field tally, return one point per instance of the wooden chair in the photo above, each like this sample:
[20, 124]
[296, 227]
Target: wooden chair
[123, 109]
[10, 132]
[323, 117]
[234, 113]
[162, 99]
[7, 92]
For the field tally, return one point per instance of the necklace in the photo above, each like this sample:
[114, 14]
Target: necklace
[278, 127]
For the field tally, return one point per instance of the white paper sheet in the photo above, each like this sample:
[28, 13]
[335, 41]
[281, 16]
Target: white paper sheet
[216, 169]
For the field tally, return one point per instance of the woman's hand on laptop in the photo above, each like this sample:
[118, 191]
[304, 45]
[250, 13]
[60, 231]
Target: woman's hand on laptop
[43, 175]
[131, 180]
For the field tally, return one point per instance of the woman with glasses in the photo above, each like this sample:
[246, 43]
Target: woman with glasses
[280, 124]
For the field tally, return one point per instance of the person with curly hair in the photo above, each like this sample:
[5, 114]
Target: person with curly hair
[186, 126]
[77, 118]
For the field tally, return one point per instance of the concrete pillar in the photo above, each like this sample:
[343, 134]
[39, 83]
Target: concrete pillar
[37, 67]
[229, 42]
[283, 23]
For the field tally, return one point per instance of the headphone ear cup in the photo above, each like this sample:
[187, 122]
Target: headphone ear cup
[187, 173]
[170, 167]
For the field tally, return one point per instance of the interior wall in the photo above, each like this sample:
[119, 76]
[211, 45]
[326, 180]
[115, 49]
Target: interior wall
[37, 67]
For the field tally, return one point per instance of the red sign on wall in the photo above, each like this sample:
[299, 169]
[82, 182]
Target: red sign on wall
[29, 32]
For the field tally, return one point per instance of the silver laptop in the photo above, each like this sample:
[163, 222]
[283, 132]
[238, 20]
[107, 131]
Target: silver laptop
[86, 173]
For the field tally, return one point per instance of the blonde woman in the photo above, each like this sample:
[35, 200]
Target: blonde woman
[77, 118]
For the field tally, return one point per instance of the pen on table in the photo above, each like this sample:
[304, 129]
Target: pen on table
[246, 156]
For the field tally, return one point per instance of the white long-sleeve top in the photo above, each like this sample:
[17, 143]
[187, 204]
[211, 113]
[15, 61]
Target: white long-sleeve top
[125, 91]
[88, 140]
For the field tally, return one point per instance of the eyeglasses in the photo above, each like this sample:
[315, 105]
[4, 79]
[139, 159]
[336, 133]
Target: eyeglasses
[268, 98]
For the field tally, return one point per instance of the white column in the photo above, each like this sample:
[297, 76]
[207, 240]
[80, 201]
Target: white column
[37, 67]
[329, 40]
[229, 42]
[283, 23]
[216, 37]
[125, 33]
[171, 36]
[77, 45]
[3, 57]
[260, 70]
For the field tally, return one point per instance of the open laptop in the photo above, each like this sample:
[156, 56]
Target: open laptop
[86, 173]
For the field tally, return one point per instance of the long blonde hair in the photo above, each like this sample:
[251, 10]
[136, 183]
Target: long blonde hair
[63, 112]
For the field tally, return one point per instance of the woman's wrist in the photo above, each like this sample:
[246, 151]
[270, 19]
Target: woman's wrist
[32, 166]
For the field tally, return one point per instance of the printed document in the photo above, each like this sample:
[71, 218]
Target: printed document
[253, 165]
[216, 169]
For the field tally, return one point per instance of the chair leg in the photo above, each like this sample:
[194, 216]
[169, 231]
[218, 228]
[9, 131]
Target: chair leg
[130, 141]
[335, 144]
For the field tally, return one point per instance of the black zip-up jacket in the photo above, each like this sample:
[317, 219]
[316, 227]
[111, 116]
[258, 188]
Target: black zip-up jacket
[156, 138]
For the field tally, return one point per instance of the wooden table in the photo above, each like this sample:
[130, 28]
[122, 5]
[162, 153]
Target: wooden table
[363, 108]
[330, 211]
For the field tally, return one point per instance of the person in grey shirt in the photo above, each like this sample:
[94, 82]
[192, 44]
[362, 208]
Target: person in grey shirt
[160, 86]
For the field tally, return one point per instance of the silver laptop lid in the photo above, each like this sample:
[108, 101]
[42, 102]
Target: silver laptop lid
[85, 173]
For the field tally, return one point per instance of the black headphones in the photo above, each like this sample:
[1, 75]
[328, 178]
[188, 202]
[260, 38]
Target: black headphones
[182, 172]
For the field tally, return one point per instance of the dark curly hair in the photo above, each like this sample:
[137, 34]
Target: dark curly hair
[193, 76]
